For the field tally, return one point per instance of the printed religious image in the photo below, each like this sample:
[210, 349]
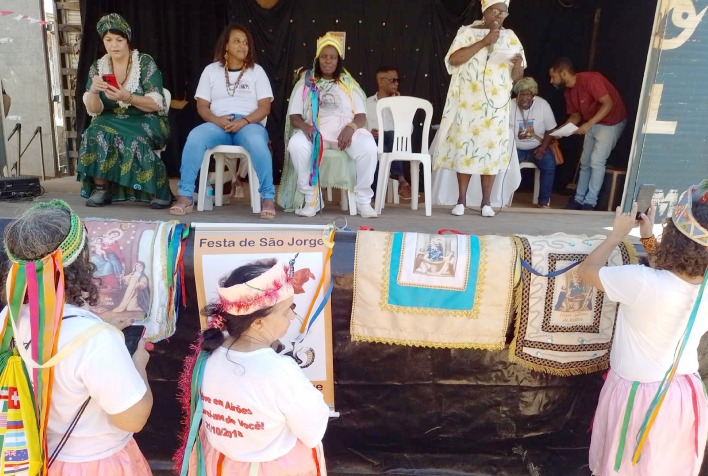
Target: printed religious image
[575, 295]
[122, 254]
[436, 255]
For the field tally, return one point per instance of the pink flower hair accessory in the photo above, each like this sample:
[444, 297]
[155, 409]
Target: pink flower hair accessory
[264, 291]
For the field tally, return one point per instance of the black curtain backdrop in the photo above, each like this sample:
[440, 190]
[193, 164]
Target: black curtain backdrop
[411, 35]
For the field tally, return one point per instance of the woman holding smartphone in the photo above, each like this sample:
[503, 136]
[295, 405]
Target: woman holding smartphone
[124, 97]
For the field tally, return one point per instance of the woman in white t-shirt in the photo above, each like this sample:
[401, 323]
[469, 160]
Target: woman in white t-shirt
[98, 373]
[259, 413]
[652, 416]
[233, 97]
[531, 118]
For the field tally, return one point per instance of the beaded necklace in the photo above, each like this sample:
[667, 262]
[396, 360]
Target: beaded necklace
[231, 88]
[127, 70]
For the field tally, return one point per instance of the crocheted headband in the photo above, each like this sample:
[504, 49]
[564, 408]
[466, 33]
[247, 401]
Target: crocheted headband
[488, 3]
[71, 246]
[330, 39]
[683, 216]
[266, 290]
[113, 21]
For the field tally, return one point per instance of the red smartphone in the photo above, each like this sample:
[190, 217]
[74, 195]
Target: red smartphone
[111, 80]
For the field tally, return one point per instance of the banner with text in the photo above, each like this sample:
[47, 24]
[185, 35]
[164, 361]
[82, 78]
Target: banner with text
[221, 248]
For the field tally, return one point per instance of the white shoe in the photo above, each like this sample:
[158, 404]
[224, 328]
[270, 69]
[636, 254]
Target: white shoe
[487, 211]
[309, 210]
[366, 210]
[459, 210]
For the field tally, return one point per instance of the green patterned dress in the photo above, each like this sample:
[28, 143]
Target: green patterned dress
[474, 130]
[119, 145]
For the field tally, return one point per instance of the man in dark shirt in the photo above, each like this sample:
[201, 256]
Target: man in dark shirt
[595, 106]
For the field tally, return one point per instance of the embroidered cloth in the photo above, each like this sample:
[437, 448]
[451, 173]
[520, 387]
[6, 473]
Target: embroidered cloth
[444, 291]
[564, 326]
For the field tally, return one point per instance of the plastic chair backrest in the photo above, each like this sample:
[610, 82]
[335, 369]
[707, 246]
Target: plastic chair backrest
[403, 109]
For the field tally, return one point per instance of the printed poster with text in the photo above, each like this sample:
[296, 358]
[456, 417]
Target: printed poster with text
[218, 251]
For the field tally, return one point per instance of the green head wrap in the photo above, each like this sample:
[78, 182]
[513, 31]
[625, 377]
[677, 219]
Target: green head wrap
[113, 21]
[526, 83]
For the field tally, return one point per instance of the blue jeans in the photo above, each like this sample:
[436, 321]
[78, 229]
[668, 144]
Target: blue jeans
[253, 137]
[547, 167]
[396, 165]
[598, 144]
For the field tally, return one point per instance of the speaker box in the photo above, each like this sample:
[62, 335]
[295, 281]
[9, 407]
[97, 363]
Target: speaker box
[21, 186]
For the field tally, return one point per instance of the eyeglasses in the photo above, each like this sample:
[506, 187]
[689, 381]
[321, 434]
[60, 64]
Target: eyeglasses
[394, 80]
[499, 13]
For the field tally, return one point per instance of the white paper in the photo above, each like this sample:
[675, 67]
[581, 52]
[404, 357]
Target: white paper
[565, 131]
[503, 55]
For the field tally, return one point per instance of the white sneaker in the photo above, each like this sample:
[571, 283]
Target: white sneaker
[459, 210]
[487, 211]
[309, 210]
[366, 210]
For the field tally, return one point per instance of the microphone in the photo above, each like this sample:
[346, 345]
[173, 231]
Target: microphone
[490, 48]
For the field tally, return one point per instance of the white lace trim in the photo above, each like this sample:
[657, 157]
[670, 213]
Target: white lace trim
[92, 114]
[159, 100]
[132, 82]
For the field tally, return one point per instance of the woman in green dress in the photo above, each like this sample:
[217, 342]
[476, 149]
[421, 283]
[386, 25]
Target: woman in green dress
[124, 96]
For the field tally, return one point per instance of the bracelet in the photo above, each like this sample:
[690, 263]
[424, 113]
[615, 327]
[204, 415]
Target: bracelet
[130, 99]
[649, 244]
[246, 119]
[353, 126]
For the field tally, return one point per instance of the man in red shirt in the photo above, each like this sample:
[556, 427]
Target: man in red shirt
[595, 106]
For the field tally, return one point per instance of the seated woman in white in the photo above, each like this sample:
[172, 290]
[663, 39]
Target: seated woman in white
[334, 98]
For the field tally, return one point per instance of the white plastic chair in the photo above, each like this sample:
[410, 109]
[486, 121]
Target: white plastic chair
[403, 109]
[221, 154]
[536, 180]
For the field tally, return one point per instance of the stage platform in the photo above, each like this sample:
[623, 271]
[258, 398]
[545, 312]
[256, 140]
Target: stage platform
[521, 218]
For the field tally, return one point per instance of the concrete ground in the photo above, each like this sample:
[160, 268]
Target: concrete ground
[521, 218]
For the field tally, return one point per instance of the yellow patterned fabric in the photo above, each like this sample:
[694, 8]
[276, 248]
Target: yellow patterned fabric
[563, 325]
[442, 291]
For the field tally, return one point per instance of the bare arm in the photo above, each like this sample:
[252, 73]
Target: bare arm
[589, 269]
[261, 111]
[464, 54]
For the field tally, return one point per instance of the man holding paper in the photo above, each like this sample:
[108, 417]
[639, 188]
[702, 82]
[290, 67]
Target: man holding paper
[596, 107]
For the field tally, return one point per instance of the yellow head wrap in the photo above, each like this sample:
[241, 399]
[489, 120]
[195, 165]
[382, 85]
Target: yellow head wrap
[330, 39]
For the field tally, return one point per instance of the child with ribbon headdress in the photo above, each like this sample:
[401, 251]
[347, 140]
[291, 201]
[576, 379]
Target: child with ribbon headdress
[89, 395]
[652, 416]
[250, 410]
[329, 108]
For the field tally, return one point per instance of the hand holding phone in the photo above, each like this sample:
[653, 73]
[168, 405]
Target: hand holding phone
[111, 80]
[133, 334]
[644, 196]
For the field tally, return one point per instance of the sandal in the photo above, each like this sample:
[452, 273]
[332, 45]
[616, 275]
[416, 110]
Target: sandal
[268, 213]
[100, 196]
[182, 207]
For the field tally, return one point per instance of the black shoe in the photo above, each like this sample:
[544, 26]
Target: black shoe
[99, 197]
[157, 204]
[587, 207]
[573, 204]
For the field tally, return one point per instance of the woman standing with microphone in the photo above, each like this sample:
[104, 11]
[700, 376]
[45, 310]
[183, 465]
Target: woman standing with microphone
[474, 129]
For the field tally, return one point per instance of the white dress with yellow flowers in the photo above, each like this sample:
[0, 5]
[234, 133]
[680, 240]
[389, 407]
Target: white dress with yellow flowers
[474, 130]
